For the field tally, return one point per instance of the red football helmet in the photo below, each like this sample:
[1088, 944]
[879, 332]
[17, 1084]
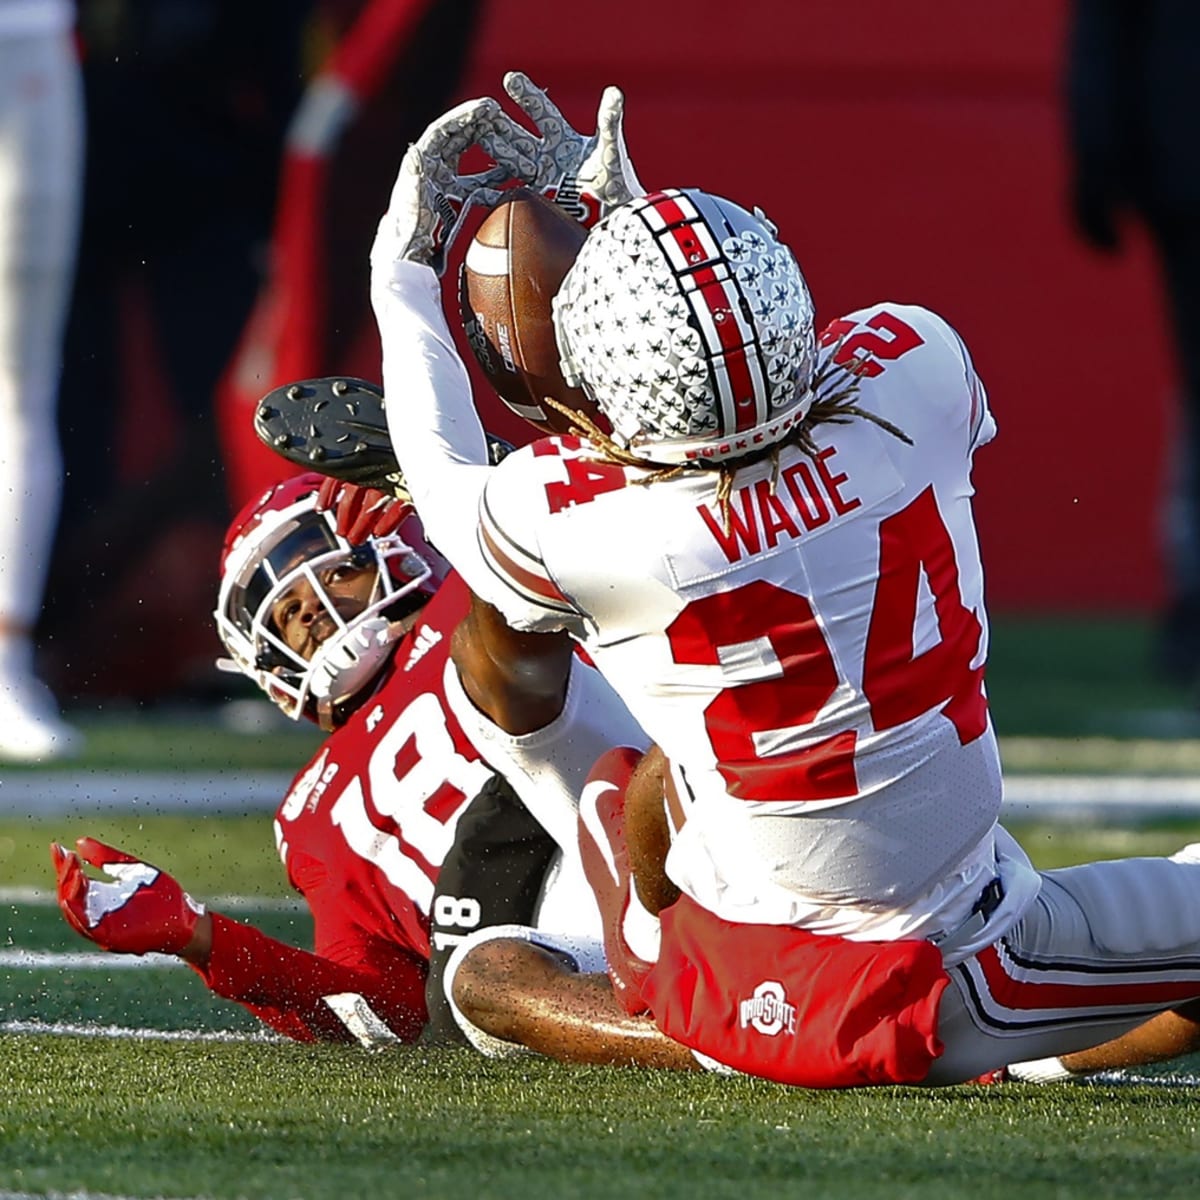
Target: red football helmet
[281, 539]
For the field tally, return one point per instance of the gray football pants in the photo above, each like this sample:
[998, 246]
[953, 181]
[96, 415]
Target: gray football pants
[1104, 947]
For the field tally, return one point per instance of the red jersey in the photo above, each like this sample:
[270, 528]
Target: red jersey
[362, 833]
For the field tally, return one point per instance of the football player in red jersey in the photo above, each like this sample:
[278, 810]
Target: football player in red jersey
[399, 834]
[773, 560]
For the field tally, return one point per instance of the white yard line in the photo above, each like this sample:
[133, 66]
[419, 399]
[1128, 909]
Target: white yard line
[46, 898]
[49, 793]
[71, 1029]
[83, 1196]
[82, 793]
[83, 960]
[1126, 756]
[1111, 796]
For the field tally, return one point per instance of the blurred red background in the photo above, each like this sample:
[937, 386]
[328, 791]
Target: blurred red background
[913, 152]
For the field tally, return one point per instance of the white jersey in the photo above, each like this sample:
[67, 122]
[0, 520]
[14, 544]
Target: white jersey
[813, 669]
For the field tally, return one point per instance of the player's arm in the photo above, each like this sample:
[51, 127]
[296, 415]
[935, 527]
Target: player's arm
[288, 988]
[432, 421]
[436, 433]
[648, 832]
[518, 680]
[140, 909]
[439, 442]
[539, 715]
[494, 874]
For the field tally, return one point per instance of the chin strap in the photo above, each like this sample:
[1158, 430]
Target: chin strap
[346, 665]
[327, 715]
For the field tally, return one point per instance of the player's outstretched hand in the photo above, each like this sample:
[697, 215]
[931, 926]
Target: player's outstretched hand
[430, 199]
[362, 512]
[139, 909]
[587, 176]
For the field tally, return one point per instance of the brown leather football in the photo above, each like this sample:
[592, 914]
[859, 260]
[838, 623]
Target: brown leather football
[511, 271]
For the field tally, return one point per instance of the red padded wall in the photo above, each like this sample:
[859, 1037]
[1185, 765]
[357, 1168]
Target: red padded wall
[912, 151]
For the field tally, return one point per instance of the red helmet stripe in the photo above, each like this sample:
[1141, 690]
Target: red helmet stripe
[689, 246]
[741, 387]
[662, 209]
[718, 311]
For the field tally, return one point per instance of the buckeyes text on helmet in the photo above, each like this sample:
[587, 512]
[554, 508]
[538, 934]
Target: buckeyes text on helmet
[689, 323]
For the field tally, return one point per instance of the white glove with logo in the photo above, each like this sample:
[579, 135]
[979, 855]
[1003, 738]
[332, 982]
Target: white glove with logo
[430, 199]
[586, 176]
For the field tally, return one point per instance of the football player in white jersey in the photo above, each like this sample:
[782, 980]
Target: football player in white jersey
[772, 558]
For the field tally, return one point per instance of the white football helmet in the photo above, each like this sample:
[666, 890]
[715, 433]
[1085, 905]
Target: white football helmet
[688, 322]
[281, 538]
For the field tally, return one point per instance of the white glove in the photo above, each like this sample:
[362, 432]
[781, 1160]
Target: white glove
[430, 200]
[586, 176]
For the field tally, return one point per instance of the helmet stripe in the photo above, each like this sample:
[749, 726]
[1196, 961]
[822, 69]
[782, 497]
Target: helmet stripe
[742, 388]
[689, 246]
[735, 358]
[718, 311]
[662, 209]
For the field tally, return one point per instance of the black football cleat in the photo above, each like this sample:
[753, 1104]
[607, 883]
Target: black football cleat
[338, 426]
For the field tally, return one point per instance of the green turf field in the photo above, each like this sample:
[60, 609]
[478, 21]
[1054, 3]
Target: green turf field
[121, 1080]
[113, 1083]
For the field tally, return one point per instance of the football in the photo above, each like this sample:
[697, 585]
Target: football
[510, 273]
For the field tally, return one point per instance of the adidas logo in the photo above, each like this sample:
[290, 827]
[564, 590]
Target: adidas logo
[425, 641]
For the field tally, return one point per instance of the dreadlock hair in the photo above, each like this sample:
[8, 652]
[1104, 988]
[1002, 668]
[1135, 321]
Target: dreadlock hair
[835, 386]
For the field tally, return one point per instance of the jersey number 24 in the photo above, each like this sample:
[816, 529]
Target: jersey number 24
[745, 718]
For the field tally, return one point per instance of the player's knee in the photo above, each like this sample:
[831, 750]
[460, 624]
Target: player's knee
[492, 984]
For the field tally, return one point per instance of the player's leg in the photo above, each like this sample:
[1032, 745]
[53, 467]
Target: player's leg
[40, 167]
[1164, 1037]
[516, 989]
[493, 875]
[1103, 949]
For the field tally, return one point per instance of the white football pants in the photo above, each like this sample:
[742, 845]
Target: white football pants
[41, 170]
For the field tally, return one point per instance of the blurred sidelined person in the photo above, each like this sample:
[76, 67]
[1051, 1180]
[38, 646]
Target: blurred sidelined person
[41, 154]
[233, 191]
[186, 104]
[1133, 90]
